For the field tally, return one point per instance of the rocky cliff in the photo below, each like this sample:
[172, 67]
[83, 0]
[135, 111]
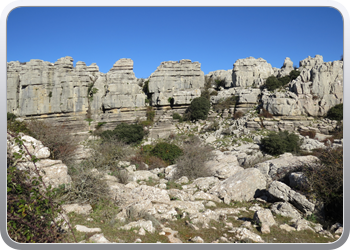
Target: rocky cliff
[81, 96]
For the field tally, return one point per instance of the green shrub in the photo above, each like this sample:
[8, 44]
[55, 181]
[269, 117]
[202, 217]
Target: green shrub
[294, 74]
[336, 112]
[281, 142]
[167, 152]
[214, 93]
[128, 133]
[177, 116]
[219, 83]
[16, 126]
[31, 208]
[272, 83]
[325, 179]
[198, 109]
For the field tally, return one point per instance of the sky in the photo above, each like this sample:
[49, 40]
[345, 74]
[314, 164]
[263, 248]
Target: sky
[214, 36]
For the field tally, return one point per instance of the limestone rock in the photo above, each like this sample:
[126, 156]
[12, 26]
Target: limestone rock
[250, 72]
[99, 238]
[285, 209]
[223, 75]
[286, 68]
[180, 80]
[143, 175]
[244, 233]
[85, 229]
[146, 225]
[264, 216]
[77, 208]
[281, 191]
[242, 186]
[223, 165]
[285, 163]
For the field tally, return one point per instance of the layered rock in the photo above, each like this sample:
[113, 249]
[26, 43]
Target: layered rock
[225, 75]
[180, 80]
[318, 88]
[251, 72]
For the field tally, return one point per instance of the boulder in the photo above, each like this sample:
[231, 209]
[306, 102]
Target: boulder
[77, 208]
[242, 186]
[146, 225]
[284, 164]
[285, 209]
[281, 191]
[244, 233]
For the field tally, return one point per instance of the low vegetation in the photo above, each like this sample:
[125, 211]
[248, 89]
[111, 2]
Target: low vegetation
[192, 162]
[281, 142]
[336, 112]
[198, 109]
[128, 133]
[273, 82]
[325, 181]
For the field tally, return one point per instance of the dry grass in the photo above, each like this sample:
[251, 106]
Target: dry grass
[57, 138]
[192, 162]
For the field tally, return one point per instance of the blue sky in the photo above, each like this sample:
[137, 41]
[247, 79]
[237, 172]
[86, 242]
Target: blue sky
[214, 36]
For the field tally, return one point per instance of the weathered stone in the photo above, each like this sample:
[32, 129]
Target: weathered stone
[85, 229]
[281, 191]
[264, 217]
[287, 227]
[285, 209]
[99, 238]
[243, 186]
[225, 75]
[250, 72]
[147, 225]
[179, 80]
[244, 233]
[77, 208]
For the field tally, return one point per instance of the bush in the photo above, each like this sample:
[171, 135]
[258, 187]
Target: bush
[58, 139]
[336, 112]
[31, 209]
[16, 126]
[294, 74]
[177, 116]
[128, 133]
[326, 181]
[281, 142]
[167, 152]
[192, 162]
[105, 154]
[225, 104]
[272, 83]
[219, 83]
[198, 109]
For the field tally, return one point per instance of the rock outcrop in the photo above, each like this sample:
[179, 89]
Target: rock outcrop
[180, 80]
[318, 88]
[251, 72]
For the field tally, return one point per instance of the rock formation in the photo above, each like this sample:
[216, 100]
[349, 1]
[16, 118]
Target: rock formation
[179, 80]
[81, 96]
[251, 72]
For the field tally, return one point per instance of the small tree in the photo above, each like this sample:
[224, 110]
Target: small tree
[336, 112]
[167, 152]
[281, 142]
[198, 109]
[128, 133]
